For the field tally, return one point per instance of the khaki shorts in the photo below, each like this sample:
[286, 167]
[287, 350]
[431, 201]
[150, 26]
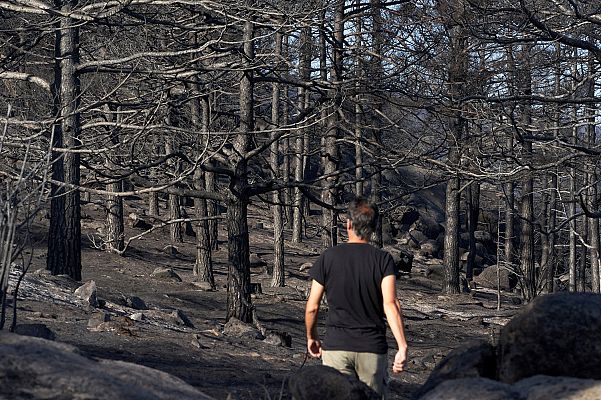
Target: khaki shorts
[370, 368]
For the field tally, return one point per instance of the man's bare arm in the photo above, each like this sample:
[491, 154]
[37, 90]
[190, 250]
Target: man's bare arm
[392, 310]
[311, 312]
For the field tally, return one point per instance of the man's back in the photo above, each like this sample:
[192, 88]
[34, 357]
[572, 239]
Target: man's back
[352, 274]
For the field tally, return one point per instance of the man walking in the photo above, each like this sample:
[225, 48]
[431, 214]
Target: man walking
[360, 282]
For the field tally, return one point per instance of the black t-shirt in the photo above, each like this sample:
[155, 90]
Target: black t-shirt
[352, 275]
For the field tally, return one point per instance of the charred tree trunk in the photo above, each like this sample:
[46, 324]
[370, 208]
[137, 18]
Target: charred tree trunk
[203, 268]
[278, 279]
[114, 204]
[473, 202]
[238, 299]
[592, 182]
[457, 78]
[300, 147]
[330, 155]
[175, 229]
[67, 210]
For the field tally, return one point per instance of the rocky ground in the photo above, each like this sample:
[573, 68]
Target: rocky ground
[179, 327]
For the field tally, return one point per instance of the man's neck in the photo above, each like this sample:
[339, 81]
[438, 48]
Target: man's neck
[352, 238]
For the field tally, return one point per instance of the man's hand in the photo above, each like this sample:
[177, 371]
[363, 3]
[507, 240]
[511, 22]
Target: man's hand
[400, 361]
[314, 348]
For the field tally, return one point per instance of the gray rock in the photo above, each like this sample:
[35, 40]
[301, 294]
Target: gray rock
[403, 259]
[543, 387]
[170, 250]
[472, 389]
[97, 319]
[278, 338]
[483, 237]
[556, 335]
[256, 261]
[428, 226]
[435, 272]
[430, 248]
[35, 330]
[321, 382]
[204, 286]
[539, 387]
[135, 221]
[87, 292]
[165, 274]
[475, 360]
[135, 302]
[196, 342]
[41, 369]
[137, 316]
[179, 318]
[415, 238]
[488, 278]
[236, 328]
[305, 266]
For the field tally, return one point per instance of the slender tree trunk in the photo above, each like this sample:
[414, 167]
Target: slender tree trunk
[330, 155]
[358, 109]
[68, 99]
[56, 234]
[451, 237]
[473, 195]
[114, 204]
[376, 83]
[551, 259]
[300, 149]
[203, 268]
[238, 299]
[277, 208]
[457, 78]
[592, 182]
[528, 268]
[175, 230]
[572, 263]
[583, 252]
[527, 235]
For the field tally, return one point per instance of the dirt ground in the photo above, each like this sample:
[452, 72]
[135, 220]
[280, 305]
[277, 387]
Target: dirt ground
[232, 367]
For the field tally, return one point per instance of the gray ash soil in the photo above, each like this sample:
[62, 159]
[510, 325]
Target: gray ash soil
[242, 368]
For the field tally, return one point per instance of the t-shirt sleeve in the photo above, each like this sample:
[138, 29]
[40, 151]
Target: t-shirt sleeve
[317, 271]
[389, 267]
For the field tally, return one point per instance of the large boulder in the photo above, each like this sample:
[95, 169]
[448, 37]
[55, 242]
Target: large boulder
[428, 226]
[321, 382]
[488, 278]
[472, 389]
[539, 387]
[556, 335]
[430, 248]
[167, 274]
[33, 368]
[414, 238]
[475, 360]
[403, 259]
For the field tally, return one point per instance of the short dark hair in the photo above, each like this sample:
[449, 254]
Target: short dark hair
[364, 217]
